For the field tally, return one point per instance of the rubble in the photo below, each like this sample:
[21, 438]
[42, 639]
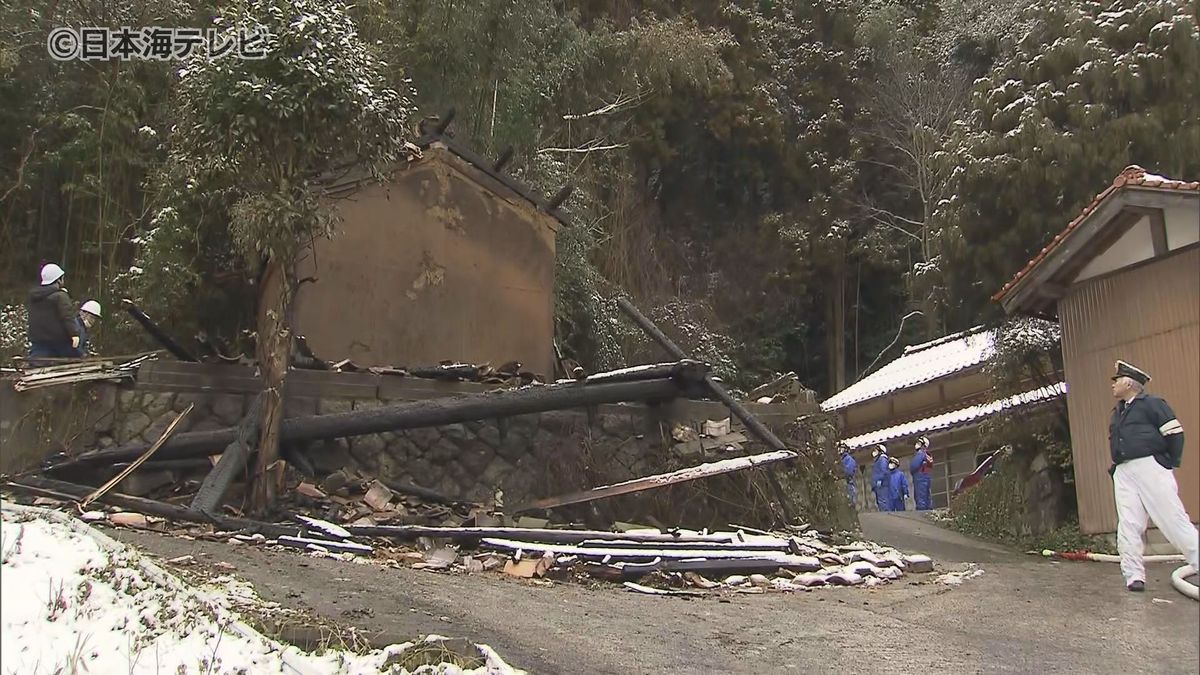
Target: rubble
[676, 562]
[79, 370]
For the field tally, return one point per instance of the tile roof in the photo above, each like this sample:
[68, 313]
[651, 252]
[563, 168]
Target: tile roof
[920, 364]
[1132, 176]
[956, 418]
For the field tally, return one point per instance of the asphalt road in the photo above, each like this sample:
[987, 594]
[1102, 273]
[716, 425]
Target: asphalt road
[1022, 615]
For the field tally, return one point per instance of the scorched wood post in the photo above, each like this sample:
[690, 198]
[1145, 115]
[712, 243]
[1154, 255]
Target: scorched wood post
[756, 427]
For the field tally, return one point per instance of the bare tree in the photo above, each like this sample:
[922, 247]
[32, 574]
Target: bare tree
[913, 102]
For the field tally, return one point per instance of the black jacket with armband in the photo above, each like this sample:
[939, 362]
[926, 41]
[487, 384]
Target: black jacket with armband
[1145, 427]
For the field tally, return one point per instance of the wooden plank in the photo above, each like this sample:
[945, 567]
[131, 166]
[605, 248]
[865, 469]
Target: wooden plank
[140, 460]
[325, 384]
[660, 480]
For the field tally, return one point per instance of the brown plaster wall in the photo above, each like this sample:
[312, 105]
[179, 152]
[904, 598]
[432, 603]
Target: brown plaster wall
[429, 267]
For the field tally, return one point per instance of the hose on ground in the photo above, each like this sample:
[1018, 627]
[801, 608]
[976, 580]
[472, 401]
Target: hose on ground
[1178, 577]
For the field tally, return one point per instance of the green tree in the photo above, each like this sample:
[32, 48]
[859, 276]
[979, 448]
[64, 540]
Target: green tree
[1091, 89]
[252, 136]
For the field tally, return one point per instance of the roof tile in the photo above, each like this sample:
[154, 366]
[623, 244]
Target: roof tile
[1131, 176]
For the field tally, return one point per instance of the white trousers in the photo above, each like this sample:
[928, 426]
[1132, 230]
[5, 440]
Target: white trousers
[1142, 488]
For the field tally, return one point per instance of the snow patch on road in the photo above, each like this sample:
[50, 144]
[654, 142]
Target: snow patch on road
[957, 578]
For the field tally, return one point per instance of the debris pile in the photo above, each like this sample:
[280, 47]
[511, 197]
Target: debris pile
[28, 376]
[643, 559]
[784, 389]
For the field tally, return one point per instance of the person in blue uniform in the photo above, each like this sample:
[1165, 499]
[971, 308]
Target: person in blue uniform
[850, 469]
[879, 475]
[921, 468]
[897, 485]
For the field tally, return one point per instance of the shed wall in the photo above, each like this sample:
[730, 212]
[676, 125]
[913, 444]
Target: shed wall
[431, 267]
[1148, 315]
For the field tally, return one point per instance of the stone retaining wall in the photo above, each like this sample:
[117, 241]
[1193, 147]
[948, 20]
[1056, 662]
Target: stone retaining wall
[523, 457]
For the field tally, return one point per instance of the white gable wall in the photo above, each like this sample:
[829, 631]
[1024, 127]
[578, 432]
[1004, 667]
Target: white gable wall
[1183, 225]
[1134, 247]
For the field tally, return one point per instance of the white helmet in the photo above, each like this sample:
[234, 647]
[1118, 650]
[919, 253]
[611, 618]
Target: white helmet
[923, 442]
[51, 273]
[91, 307]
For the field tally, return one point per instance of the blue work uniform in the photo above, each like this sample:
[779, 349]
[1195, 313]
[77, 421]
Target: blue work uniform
[879, 484]
[922, 475]
[850, 468]
[897, 489]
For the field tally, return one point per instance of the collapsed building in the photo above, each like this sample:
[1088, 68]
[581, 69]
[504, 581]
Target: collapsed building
[446, 444]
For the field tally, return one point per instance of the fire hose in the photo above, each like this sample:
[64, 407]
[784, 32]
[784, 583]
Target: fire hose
[1178, 577]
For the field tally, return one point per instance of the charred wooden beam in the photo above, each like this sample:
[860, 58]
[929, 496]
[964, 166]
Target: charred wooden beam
[685, 368]
[409, 488]
[505, 157]
[451, 373]
[232, 462]
[444, 123]
[756, 427]
[560, 197]
[660, 480]
[417, 414]
[157, 333]
[151, 507]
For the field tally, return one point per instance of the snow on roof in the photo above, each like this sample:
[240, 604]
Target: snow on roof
[956, 418]
[920, 364]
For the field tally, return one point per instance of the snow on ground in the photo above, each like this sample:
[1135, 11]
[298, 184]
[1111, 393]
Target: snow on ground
[75, 601]
[956, 578]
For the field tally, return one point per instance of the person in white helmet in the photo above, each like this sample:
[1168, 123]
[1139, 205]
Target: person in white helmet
[921, 468]
[89, 314]
[879, 477]
[53, 327]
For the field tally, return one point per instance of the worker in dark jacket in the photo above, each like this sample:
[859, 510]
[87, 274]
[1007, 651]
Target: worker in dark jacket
[53, 331]
[897, 485]
[879, 474]
[850, 470]
[1146, 443]
[89, 314]
[921, 468]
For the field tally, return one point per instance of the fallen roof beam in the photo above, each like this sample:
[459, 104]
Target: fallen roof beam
[796, 562]
[756, 427]
[660, 480]
[157, 333]
[557, 536]
[150, 507]
[416, 414]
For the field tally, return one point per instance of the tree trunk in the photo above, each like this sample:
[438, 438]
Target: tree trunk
[835, 331]
[274, 354]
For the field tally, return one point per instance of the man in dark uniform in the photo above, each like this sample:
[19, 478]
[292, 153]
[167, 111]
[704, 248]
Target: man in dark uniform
[1146, 443]
[53, 331]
